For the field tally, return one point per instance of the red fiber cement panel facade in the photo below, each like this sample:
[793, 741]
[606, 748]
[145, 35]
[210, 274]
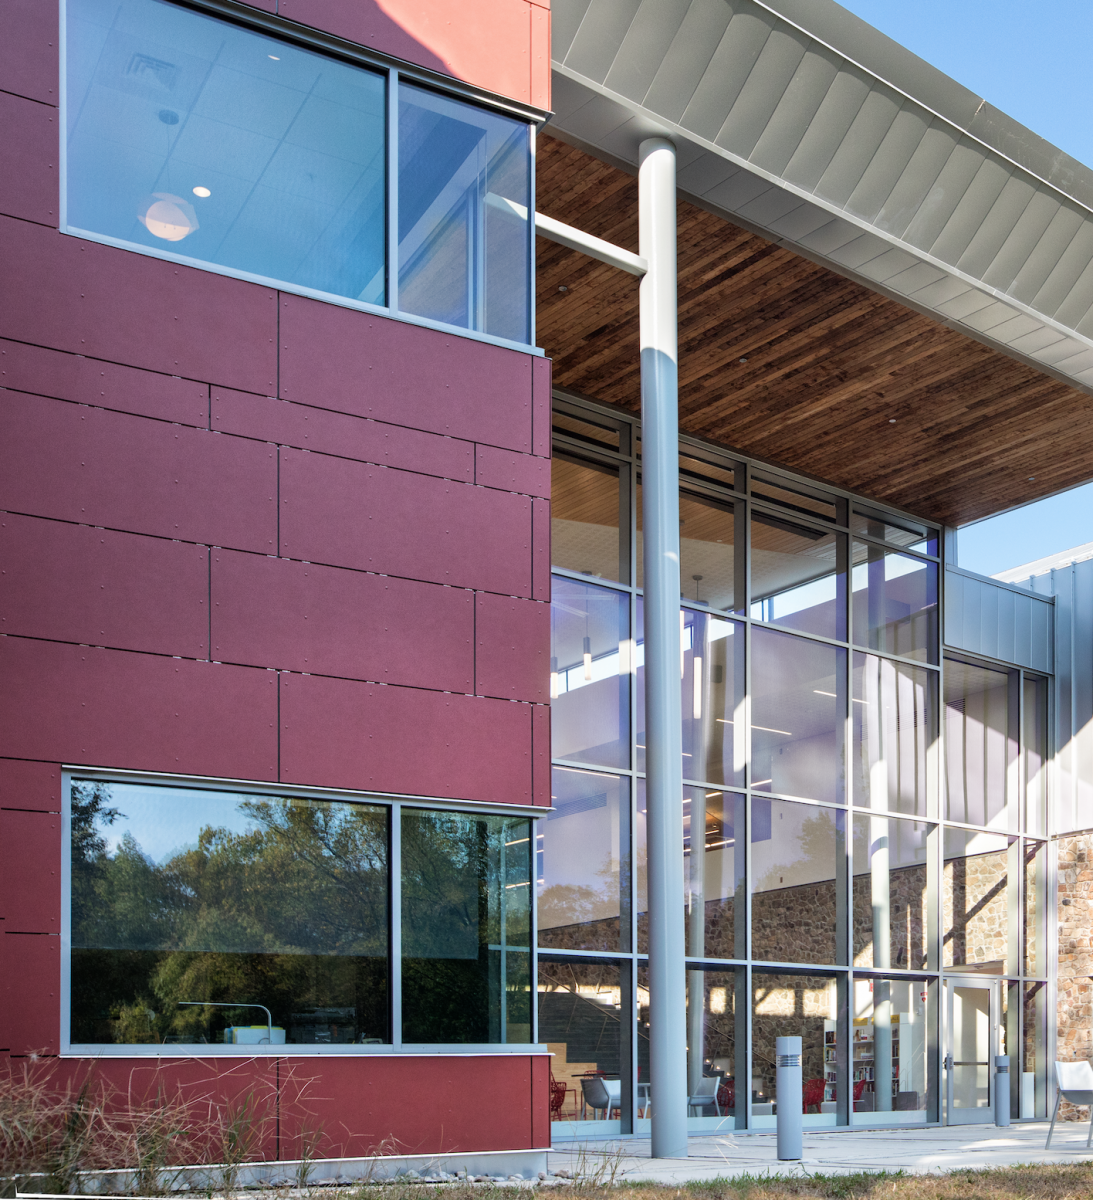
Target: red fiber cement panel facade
[247, 535]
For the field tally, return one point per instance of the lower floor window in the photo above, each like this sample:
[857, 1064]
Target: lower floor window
[208, 917]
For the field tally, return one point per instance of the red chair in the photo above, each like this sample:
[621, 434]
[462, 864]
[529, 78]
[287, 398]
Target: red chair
[813, 1094]
[726, 1096]
[557, 1098]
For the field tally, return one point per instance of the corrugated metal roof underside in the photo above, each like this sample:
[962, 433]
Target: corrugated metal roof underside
[787, 135]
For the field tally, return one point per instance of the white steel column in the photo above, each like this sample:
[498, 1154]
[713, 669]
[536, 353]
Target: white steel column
[663, 732]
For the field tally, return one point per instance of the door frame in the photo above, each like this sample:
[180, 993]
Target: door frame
[991, 985]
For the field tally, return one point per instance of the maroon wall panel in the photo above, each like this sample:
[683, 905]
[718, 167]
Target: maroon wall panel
[472, 1103]
[28, 180]
[72, 583]
[487, 43]
[308, 428]
[30, 991]
[271, 612]
[540, 740]
[375, 367]
[28, 49]
[89, 381]
[35, 786]
[103, 468]
[512, 472]
[75, 295]
[541, 375]
[541, 549]
[512, 648]
[141, 711]
[339, 733]
[30, 867]
[540, 1101]
[347, 514]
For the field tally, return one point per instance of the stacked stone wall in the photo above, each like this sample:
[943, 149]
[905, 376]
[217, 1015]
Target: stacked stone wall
[1075, 1002]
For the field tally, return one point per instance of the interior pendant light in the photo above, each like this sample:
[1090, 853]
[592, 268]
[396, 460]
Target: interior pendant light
[167, 216]
[587, 658]
[554, 678]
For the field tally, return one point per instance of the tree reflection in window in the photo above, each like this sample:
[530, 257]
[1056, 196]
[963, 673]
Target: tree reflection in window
[232, 900]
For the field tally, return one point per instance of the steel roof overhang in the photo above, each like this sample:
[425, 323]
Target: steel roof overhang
[795, 119]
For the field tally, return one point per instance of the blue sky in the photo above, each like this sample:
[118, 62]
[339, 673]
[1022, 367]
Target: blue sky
[1031, 60]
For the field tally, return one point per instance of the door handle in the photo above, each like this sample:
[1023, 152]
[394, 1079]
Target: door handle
[948, 1062]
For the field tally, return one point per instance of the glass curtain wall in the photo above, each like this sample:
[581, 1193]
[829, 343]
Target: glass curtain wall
[994, 879]
[816, 828]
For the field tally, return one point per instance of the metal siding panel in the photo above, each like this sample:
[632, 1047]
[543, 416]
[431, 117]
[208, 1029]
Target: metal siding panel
[801, 222]
[1085, 325]
[567, 97]
[996, 226]
[341, 733]
[863, 249]
[31, 786]
[913, 188]
[942, 291]
[688, 57]
[28, 50]
[965, 304]
[1066, 348]
[770, 206]
[510, 472]
[858, 148]
[728, 71]
[593, 48]
[891, 262]
[31, 1015]
[954, 612]
[988, 317]
[1082, 715]
[828, 128]
[971, 210]
[741, 189]
[1006, 636]
[1016, 327]
[797, 107]
[1024, 240]
[28, 183]
[652, 31]
[599, 117]
[987, 633]
[565, 19]
[1075, 258]
[831, 236]
[904, 136]
[1039, 339]
[941, 202]
[705, 173]
[95, 587]
[30, 866]
[915, 278]
[512, 648]
[762, 92]
[1081, 361]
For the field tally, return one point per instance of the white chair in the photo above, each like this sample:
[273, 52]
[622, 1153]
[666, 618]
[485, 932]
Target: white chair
[1075, 1083]
[705, 1094]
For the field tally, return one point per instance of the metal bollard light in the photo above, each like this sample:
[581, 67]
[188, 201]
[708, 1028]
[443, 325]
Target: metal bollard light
[787, 1053]
[1001, 1089]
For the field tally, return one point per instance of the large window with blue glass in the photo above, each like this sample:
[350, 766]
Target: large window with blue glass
[212, 919]
[813, 813]
[225, 147]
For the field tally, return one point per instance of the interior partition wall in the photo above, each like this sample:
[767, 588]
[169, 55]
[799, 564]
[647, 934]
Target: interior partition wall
[816, 833]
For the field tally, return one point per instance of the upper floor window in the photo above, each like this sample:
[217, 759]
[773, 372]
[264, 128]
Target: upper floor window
[200, 140]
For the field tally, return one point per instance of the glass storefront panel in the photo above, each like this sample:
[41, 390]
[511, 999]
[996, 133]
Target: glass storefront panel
[797, 851]
[798, 716]
[896, 531]
[1034, 1064]
[798, 575]
[198, 137]
[894, 717]
[1034, 904]
[707, 550]
[895, 603]
[582, 887]
[1034, 736]
[589, 674]
[975, 906]
[585, 517]
[889, 1069]
[792, 1005]
[795, 499]
[585, 1025]
[463, 201]
[466, 928]
[714, 858]
[713, 699]
[890, 902]
[978, 746]
[716, 1026]
[221, 918]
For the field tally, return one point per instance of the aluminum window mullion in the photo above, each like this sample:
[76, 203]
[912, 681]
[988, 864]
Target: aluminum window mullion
[392, 190]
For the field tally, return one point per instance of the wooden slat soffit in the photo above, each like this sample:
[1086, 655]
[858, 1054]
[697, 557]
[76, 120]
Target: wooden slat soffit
[828, 364]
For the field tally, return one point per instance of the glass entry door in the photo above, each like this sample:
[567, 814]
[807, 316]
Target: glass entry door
[971, 1033]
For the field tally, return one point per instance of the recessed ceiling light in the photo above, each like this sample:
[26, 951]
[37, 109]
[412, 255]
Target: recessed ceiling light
[891, 420]
[563, 288]
[743, 360]
[203, 192]
[1032, 478]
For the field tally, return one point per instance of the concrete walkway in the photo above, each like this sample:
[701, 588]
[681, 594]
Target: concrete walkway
[919, 1151]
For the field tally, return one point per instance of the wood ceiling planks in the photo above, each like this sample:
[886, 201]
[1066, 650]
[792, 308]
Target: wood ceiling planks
[829, 362]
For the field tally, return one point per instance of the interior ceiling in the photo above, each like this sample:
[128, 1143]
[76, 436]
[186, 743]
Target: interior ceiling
[830, 364]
